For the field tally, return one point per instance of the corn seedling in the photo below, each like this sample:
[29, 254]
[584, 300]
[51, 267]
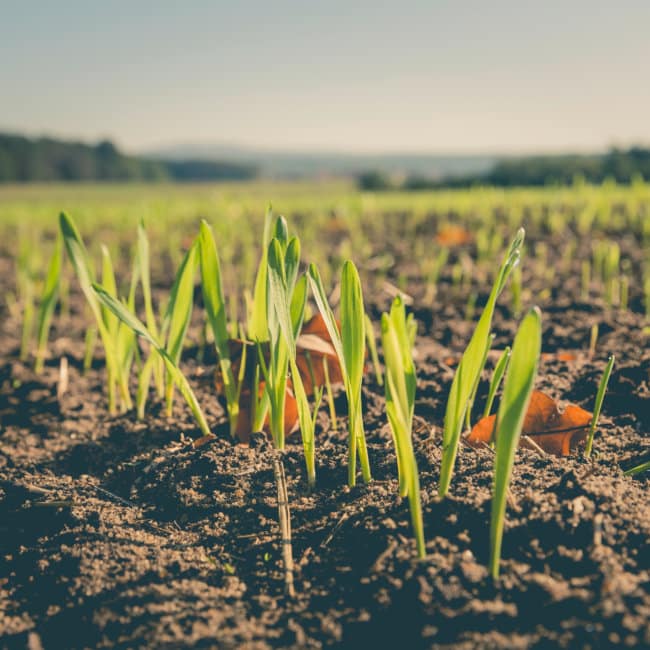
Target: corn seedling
[495, 382]
[400, 404]
[287, 297]
[83, 270]
[177, 317]
[517, 390]
[638, 469]
[156, 366]
[215, 307]
[173, 371]
[287, 253]
[469, 368]
[47, 304]
[349, 344]
[600, 396]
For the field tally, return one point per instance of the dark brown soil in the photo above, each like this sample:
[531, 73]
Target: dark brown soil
[115, 533]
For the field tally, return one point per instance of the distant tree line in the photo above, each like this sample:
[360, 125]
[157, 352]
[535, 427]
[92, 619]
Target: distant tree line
[623, 166]
[45, 159]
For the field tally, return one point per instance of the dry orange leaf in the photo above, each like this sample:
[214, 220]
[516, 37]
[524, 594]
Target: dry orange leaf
[556, 433]
[560, 356]
[452, 235]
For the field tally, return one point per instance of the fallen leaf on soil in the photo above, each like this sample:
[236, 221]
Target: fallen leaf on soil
[452, 235]
[556, 433]
[559, 356]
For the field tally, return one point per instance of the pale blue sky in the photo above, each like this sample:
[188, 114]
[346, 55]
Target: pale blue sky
[352, 76]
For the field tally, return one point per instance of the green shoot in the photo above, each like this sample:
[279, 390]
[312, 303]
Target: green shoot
[150, 319]
[468, 371]
[517, 390]
[495, 382]
[400, 404]
[372, 347]
[349, 344]
[131, 321]
[79, 258]
[257, 322]
[90, 340]
[289, 314]
[177, 316]
[600, 396]
[638, 469]
[215, 307]
[283, 258]
[48, 303]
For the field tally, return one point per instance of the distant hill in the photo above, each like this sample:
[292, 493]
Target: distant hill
[291, 164]
[622, 166]
[44, 159]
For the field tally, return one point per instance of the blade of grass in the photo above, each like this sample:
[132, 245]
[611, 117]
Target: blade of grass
[48, 303]
[517, 390]
[469, 368]
[215, 306]
[400, 388]
[600, 396]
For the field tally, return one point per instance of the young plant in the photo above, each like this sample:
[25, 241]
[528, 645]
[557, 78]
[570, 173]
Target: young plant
[286, 254]
[215, 307]
[349, 345]
[600, 396]
[517, 390]
[80, 262]
[638, 469]
[48, 303]
[174, 372]
[469, 369]
[177, 316]
[400, 404]
[287, 298]
[155, 366]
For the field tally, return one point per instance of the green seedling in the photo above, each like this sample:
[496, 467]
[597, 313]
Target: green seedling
[156, 366]
[517, 390]
[469, 368]
[287, 297]
[600, 396]
[48, 303]
[177, 316]
[213, 299]
[495, 382]
[80, 262]
[282, 282]
[349, 345]
[258, 329]
[638, 469]
[139, 328]
[400, 405]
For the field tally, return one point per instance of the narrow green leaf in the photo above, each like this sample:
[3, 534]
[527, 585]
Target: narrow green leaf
[48, 302]
[518, 387]
[469, 368]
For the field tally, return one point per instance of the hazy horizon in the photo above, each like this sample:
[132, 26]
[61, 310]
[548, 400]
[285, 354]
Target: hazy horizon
[460, 78]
